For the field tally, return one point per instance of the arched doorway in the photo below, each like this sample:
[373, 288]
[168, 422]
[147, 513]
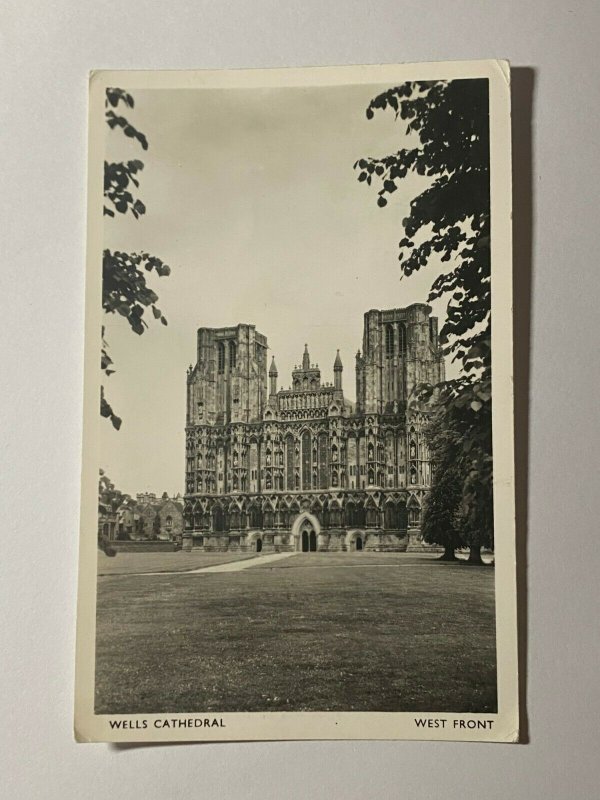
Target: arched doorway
[359, 543]
[258, 545]
[309, 538]
[305, 530]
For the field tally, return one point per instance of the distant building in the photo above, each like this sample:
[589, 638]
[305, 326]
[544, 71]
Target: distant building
[301, 468]
[149, 517]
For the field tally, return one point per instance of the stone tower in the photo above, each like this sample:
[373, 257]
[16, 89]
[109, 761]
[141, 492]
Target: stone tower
[400, 350]
[229, 381]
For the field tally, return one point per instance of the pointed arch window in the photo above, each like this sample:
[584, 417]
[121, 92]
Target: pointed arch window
[389, 340]
[306, 460]
[290, 452]
[322, 461]
[232, 355]
[221, 358]
[402, 338]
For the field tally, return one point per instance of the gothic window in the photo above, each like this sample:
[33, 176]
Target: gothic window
[255, 517]
[389, 340]
[232, 355]
[402, 338]
[289, 449]
[431, 331]
[390, 517]
[306, 460]
[389, 448]
[371, 517]
[414, 516]
[234, 521]
[221, 357]
[323, 476]
[352, 454]
[218, 519]
[268, 519]
[355, 515]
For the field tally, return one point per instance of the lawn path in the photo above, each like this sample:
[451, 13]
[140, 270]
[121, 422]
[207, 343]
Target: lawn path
[233, 566]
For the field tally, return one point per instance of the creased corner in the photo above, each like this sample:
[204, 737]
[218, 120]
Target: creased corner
[503, 67]
[80, 737]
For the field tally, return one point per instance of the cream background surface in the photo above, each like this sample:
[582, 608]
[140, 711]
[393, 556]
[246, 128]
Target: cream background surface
[46, 52]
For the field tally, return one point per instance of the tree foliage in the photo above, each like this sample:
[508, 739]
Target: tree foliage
[109, 500]
[125, 290]
[109, 497]
[447, 125]
[443, 520]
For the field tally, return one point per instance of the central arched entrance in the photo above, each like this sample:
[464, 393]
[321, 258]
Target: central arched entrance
[309, 538]
[306, 530]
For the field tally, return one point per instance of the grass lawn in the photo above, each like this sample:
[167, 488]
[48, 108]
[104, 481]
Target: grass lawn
[314, 632]
[130, 563]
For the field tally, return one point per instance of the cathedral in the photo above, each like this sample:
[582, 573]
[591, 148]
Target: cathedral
[303, 468]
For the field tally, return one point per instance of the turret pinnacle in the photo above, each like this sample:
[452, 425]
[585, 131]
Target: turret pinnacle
[306, 358]
[337, 372]
[273, 368]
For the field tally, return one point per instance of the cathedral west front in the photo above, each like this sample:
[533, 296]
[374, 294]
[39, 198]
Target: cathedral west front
[271, 469]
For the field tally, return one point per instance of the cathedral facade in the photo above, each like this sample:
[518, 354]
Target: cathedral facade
[303, 468]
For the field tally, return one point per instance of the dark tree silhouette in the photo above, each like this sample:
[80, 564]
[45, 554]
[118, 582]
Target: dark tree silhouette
[442, 515]
[449, 222]
[124, 287]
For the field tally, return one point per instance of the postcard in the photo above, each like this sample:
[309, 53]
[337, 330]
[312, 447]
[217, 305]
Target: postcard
[297, 516]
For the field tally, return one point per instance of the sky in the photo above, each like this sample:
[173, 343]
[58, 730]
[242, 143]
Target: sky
[252, 200]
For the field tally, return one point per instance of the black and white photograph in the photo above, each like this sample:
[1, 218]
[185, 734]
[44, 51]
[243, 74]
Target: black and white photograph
[298, 490]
